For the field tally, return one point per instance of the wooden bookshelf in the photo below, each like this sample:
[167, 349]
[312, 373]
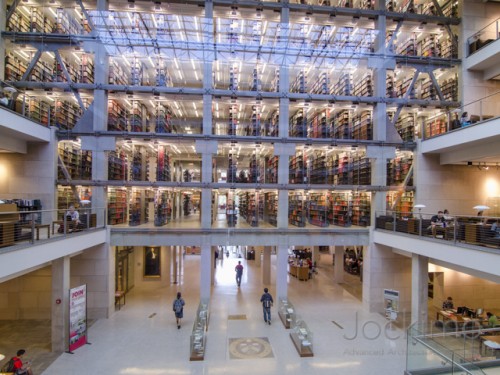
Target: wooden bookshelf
[296, 209]
[317, 210]
[117, 206]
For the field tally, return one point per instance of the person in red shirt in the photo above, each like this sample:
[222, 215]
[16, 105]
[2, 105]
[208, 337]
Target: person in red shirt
[19, 367]
[239, 272]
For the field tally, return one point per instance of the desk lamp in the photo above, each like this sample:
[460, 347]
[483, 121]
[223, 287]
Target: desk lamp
[481, 207]
[419, 206]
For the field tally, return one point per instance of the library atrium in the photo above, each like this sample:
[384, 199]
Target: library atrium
[346, 152]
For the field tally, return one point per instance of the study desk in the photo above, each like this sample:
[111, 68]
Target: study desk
[37, 228]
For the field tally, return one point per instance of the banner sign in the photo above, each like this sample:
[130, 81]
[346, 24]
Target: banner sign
[77, 317]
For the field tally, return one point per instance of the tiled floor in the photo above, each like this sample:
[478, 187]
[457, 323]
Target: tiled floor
[142, 337]
[134, 341]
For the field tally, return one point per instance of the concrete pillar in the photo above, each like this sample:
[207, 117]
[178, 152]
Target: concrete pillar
[207, 149]
[213, 264]
[206, 267]
[419, 288]
[166, 252]
[282, 273]
[338, 275]
[283, 151]
[266, 266]
[174, 265]
[181, 263]
[258, 255]
[384, 269]
[3, 20]
[60, 312]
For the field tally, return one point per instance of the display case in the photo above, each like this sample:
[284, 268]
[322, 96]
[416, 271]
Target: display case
[198, 337]
[302, 338]
[286, 312]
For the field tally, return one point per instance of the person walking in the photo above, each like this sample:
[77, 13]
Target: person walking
[239, 272]
[267, 302]
[178, 307]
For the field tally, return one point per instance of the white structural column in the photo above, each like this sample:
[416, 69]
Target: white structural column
[258, 253]
[207, 62]
[282, 272]
[166, 254]
[206, 149]
[3, 19]
[174, 265]
[419, 288]
[266, 265]
[283, 151]
[206, 271]
[338, 272]
[60, 304]
[181, 262]
[213, 264]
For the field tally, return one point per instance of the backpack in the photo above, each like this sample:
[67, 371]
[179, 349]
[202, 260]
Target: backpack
[9, 366]
[177, 306]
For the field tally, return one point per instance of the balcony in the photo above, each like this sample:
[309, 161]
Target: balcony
[469, 242]
[484, 51]
[30, 239]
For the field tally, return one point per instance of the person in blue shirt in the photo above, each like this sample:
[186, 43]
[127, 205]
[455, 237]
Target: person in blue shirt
[267, 302]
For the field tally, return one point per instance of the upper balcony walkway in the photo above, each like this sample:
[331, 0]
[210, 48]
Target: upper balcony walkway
[468, 243]
[484, 51]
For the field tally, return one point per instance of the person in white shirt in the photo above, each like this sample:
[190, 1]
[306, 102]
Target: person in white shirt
[74, 216]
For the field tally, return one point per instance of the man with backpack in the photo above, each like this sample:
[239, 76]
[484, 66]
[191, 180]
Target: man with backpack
[16, 366]
[178, 307]
[239, 272]
[267, 302]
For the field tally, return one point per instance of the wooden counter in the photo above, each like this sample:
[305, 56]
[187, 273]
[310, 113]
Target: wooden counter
[302, 273]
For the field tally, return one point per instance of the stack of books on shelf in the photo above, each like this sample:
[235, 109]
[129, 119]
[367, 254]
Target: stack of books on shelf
[117, 166]
[298, 171]
[318, 210]
[298, 124]
[296, 213]
[117, 206]
[117, 116]
[362, 127]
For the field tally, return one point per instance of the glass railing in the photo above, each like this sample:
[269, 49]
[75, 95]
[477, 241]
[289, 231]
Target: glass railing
[473, 230]
[444, 348]
[483, 37]
[31, 227]
[469, 114]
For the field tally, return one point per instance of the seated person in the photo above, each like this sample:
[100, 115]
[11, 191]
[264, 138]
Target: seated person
[448, 304]
[464, 120]
[492, 320]
[4, 101]
[455, 123]
[72, 217]
[495, 228]
[437, 221]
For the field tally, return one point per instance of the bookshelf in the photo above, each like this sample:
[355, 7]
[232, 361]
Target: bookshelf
[296, 209]
[66, 114]
[163, 165]
[163, 118]
[299, 84]
[117, 116]
[398, 168]
[364, 86]
[317, 210]
[343, 86]
[298, 171]
[435, 126]
[340, 209]
[362, 127]
[78, 162]
[270, 207]
[298, 124]
[117, 166]
[341, 128]
[135, 211]
[406, 126]
[252, 210]
[361, 208]
[318, 172]
[232, 168]
[66, 198]
[117, 206]
[163, 209]
[319, 126]
[271, 170]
